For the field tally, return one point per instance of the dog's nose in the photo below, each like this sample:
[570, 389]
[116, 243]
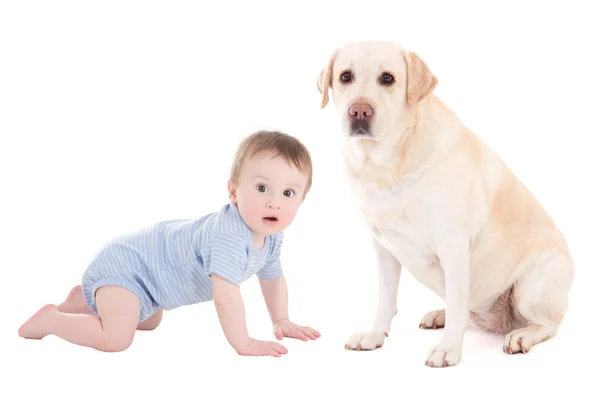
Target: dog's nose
[360, 111]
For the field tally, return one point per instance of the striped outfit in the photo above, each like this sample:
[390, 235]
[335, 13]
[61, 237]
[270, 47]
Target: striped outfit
[168, 264]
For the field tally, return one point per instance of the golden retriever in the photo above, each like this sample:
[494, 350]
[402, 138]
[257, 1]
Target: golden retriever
[439, 202]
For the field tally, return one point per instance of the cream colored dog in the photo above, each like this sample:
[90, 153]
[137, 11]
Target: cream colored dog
[441, 203]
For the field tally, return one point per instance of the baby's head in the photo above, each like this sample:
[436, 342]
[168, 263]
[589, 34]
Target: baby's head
[270, 176]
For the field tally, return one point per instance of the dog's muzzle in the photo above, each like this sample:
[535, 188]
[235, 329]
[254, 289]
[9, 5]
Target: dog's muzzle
[360, 116]
[360, 128]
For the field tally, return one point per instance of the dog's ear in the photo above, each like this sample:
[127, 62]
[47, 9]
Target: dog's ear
[420, 82]
[324, 80]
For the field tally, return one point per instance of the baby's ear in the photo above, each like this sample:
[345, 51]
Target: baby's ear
[231, 189]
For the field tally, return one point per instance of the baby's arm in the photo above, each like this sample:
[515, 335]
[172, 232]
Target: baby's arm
[231, 311]
[232, 315]
[275, 293]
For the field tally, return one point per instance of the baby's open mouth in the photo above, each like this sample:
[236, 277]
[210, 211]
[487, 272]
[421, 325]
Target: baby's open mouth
[272, 219]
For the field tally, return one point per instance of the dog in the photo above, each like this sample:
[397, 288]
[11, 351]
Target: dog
[439, 202]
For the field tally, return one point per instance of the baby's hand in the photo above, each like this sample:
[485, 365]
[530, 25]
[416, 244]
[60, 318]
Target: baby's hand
[263, 348]
[285, 328]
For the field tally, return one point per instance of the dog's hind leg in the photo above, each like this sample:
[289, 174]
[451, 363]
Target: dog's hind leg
[541, 301]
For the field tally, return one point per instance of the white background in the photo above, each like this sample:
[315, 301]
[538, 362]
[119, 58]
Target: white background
[117, 114]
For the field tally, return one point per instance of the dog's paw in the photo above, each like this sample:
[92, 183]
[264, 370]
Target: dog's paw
[444, 355]
[522, 340]
[433, 320]
[366, 341]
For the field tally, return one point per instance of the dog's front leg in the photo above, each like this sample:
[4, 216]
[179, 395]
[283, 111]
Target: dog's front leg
[454, 259]
[389, 270]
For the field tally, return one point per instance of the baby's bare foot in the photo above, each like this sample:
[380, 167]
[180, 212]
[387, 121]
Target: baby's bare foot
[74, 303]
[36, 326]
[74, 294]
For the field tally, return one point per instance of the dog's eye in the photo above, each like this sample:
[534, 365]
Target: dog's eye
[346, 77]
[387, 79]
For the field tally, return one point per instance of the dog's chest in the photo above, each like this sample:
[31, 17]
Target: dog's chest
[377, 204]
[400, 220]
[397, 219]
[411, 246]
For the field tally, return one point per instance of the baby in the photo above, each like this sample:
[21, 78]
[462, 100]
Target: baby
[175, 263]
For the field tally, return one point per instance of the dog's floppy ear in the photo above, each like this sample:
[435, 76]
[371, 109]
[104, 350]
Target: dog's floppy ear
[420, 82]
[324, 80]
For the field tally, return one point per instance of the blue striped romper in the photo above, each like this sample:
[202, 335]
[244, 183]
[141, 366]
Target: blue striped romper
[168, 264]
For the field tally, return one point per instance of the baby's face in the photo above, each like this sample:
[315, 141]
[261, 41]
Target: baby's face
[268, 193]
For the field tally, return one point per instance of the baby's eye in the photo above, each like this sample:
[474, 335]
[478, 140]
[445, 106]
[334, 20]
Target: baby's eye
[288, 193]
[262, 188]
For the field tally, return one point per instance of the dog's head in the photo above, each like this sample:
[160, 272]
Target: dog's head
[373, 86]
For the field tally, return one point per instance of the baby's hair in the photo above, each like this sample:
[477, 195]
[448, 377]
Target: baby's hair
[280, 145]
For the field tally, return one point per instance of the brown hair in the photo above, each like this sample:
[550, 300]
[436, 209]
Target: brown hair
[279, 143]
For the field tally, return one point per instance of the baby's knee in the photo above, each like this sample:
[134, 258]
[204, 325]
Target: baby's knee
[115, 343]
[152, 322]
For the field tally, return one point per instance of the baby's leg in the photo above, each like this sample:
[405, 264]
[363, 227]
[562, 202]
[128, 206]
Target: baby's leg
[152, 322]
[75, 304]
[112, 330]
